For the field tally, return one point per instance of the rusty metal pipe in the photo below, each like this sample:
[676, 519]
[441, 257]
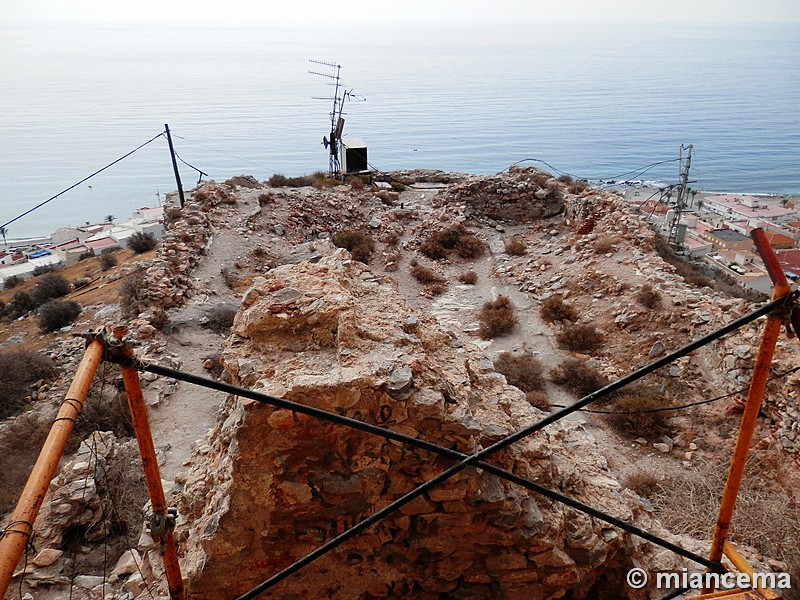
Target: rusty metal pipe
[152, 475]
[16, 535]
[755, 395]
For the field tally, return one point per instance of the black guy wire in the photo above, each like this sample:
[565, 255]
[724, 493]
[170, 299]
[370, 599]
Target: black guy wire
[422, 444]
[681, 406]
[511, 439]
[191, 167]
[73, 186]
[473, 460]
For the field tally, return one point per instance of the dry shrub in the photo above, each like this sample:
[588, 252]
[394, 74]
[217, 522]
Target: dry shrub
[767, 514]
[580, 338]
[20, 443]
[56, 314]
[632, 405]
[359, 245]
[555, 309]
[538, 399]
[649, 297]
[51, 285]
[470, 247]
[398, 186]
[468, 278]
[266, 199]
[692, 274]
[437, 288]
[433, 250]
[355, 182]
[424, 275]
[220, 319]
[455, 238]
[496, 318]
[18, 370]
[107, 261]
[104, 410]
[12, 282]
[392, 262]
[577, 187]
[516, 247]
[141, 242]
[522, 370]
[603, 245]
[321, 180]
[644, 483]
[391, 239]
[578, 376]
[278, 180]
[133, 298]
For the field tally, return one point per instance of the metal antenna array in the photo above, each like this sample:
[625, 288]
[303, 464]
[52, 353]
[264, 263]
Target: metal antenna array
[683, 191]
[337, 121]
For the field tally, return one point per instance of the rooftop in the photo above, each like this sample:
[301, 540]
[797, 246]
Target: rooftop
[729, 235]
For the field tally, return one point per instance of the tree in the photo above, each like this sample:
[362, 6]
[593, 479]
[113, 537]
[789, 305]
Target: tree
[3, 232]
[110, 218]
[141, 242]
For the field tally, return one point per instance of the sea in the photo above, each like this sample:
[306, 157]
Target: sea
[612, 101]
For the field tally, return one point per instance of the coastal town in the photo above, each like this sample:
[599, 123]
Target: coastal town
[19, 260]
[715, 229]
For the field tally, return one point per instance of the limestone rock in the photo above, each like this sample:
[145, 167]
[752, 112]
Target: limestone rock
[273, 484]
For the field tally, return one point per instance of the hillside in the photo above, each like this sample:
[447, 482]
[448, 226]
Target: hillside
[315, 325]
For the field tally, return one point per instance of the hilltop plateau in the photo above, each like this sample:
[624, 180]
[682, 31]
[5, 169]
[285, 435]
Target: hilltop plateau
[451, 308]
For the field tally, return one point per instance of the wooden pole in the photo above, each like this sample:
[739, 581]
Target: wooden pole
[16, 535]
[174, 165]
[755, 395]
[152, 476]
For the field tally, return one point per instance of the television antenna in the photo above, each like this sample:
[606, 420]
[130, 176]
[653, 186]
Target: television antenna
[340, 95]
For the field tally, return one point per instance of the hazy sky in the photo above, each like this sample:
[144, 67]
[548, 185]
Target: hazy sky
[260, 12]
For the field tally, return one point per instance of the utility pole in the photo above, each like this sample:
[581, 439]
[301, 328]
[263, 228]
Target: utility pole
[174, 165]
[683, 190]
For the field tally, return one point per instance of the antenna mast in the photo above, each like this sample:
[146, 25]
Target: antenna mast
[683, 190]
[332, 143]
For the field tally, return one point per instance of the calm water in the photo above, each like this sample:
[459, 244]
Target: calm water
[592, 101]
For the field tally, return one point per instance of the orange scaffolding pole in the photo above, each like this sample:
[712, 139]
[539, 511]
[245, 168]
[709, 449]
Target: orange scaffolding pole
[161, 522]
[16, 535]
[755, 395]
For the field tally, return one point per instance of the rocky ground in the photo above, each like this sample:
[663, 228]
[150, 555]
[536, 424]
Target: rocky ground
[230, 241]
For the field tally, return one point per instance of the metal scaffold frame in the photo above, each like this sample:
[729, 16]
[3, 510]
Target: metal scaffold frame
[111, 345]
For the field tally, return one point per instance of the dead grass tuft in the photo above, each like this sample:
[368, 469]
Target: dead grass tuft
[555, 309]
[580, 338]
[516, 247]
[522, 370]
[496, 318]
[360, 245]
[649, 297]
[578, 376]
[468, 278]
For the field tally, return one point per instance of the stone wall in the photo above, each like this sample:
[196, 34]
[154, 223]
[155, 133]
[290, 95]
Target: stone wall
[272, 485]
[517, 195]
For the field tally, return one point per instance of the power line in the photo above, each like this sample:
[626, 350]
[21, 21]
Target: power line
[73, 186]
[640, 171]
[266, 169]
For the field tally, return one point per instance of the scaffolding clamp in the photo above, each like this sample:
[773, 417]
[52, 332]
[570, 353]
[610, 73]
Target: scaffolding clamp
[161, 525]
[117, 345]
